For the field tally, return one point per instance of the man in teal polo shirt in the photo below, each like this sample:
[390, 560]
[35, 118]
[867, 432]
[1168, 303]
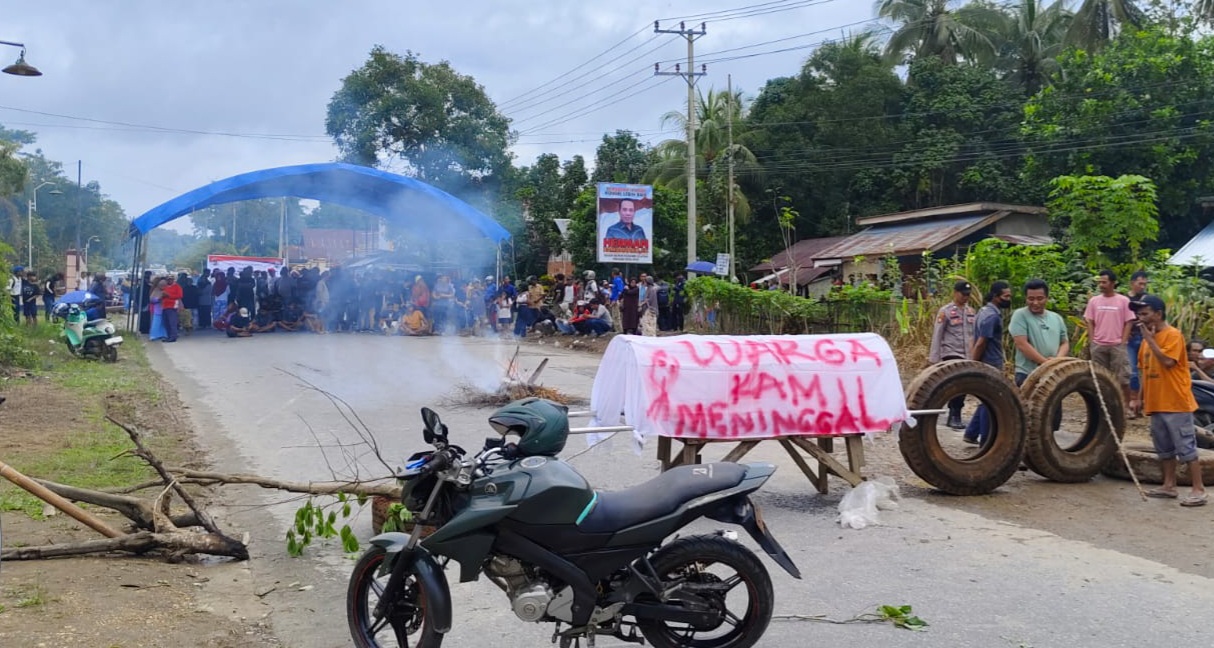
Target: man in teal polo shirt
[1039, 334]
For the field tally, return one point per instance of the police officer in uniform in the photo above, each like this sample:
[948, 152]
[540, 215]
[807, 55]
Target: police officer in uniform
[952, 338]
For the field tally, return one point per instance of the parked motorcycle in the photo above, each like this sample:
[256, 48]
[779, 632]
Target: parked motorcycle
[86, 337]
[598, 563]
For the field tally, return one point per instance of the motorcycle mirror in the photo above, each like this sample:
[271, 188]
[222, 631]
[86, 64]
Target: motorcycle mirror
[1207, 353]
[433, 424]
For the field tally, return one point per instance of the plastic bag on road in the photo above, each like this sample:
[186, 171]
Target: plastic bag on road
[859, 506]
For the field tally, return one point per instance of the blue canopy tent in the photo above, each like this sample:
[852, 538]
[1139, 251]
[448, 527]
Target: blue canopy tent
[402, 201]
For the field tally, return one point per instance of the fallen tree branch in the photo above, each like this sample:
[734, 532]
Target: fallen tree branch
[365, 488]
[203, 519]
[180, 542]
[44, 494]
[136, 510]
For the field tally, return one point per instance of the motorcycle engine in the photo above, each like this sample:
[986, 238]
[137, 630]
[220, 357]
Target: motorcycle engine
[529, 596]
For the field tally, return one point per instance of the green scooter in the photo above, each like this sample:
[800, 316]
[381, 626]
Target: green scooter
[87, 338]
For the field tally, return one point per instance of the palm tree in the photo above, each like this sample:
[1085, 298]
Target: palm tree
[1098, 21]
[931, 28]
[1029, 39]
[713, 152]
[1204, 10]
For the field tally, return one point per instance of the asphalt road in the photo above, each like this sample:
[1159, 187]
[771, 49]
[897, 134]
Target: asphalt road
[977, 581]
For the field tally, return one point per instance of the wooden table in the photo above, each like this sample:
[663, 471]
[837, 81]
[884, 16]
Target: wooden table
[820, 449]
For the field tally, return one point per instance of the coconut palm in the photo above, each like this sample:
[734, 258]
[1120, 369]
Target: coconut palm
[713, 152]
[932, 28]
[1096, 22]
[1204, 10]
[1028, 40]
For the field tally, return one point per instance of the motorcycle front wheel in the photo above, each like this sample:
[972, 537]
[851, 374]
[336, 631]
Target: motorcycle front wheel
[110, 353]
[730, 577]
[405, 624]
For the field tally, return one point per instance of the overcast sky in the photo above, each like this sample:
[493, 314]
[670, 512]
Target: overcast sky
[158, 98]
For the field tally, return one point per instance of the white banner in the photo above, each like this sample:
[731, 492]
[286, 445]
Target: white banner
[224, 261]
[749, 387]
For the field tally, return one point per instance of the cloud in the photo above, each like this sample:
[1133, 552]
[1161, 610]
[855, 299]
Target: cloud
[270, 67]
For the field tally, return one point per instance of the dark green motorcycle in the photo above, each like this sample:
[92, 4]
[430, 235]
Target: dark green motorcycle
[591, 563]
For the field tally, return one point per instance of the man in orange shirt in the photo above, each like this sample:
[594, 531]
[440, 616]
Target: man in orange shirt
[169, 302]
[1167, 397]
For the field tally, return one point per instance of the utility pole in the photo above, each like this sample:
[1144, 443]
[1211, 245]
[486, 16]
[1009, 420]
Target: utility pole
[730, 152]
[690, 76]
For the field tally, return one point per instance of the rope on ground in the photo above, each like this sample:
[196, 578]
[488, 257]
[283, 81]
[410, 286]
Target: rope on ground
[1112, 430]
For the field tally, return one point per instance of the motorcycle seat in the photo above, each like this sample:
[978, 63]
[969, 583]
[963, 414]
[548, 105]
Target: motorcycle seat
[96, 322]
[662, 495]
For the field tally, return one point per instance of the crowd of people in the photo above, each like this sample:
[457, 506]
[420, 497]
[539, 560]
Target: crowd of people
[1128, 334]
[391, 302]
[25, 289]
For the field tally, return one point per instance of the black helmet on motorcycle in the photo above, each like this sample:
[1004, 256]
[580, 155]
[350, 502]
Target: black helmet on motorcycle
[542, 425]
[61, 310]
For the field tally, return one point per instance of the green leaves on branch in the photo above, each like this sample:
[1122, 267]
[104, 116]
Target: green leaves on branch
[1105, 216]
[313, 521]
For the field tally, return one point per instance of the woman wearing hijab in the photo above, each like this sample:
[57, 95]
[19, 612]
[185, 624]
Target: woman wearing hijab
[649, 309]
[630, 313]
[157, 331]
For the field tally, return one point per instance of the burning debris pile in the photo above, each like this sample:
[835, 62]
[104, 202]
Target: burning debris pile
[513, 387]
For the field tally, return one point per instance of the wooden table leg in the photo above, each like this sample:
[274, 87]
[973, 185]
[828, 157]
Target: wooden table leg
[818, 479]
[827, 461]
[740, 450]
[691, 453]
[855, 454]
[664, 452]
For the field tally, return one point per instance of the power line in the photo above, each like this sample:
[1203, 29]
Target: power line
[165, 128]
[592, 80]
[587, 111]
[571, 71]
[751, 11]
[780, 40]
[556, 93]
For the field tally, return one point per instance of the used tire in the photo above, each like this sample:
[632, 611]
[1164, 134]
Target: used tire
[1030, 385]
[999, 457]
[687, 559]
[1081, 460]
[1148, 468]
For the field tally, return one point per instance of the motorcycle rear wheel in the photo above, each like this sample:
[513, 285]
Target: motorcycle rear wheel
[689, 559]
[406, 624]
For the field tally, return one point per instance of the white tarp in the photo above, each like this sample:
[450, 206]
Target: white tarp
[748, 387]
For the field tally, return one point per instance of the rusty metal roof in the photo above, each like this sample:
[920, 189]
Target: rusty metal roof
[1024, 239]
[934, 213]
[905, 239]
[801, 254]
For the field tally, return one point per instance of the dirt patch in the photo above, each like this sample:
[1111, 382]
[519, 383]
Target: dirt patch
[115, 600]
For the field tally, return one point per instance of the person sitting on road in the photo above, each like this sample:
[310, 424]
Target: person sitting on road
[292, 316]
[221, 322]
[239, 324]
[414, 322]
[389, 321]
[263, 322]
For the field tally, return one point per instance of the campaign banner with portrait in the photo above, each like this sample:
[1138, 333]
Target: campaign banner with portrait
[625, 223]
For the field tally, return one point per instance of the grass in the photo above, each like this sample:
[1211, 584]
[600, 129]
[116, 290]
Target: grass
[91, 456]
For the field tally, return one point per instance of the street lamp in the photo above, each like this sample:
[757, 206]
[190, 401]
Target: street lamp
[86, 249]
[20, 68]
[29, 228]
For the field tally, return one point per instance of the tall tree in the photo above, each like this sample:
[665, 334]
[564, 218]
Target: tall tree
[622, 157]
[426, 119]
[1096, 22]
[1028, 41]
[923, 28]
[1140, 106]
[714, 113]
[815, 135]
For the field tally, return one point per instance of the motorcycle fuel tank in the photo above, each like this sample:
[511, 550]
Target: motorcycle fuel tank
[545, 490]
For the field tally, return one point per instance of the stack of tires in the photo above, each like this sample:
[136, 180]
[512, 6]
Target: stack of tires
[1022, 424]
